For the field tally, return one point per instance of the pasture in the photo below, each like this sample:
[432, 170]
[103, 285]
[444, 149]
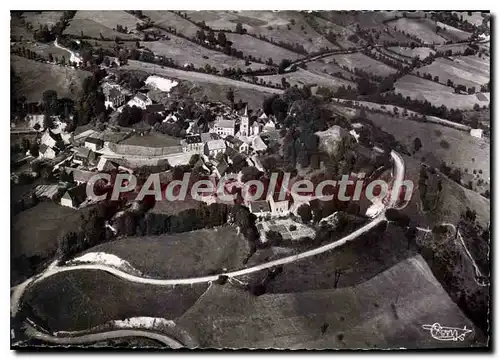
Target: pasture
[273, 25]
[260, 49]
[421, 52]
[167, 18]
[465, 70]
[36, 77]
[183, 51]
[37, 18]
[304, 77]
[152, 139]
[451, 33]
[424, 29]
[396, 303]
[84, 299]
[363, 62]
[421, 89]
[190, 254]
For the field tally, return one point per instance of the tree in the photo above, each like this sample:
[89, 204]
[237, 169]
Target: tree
[221, 39]
[230, 95]
[34, 150]
[240, 29]
[417, 144]
[304, 211]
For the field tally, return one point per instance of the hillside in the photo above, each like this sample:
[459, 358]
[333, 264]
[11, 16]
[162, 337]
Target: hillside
[386, 311]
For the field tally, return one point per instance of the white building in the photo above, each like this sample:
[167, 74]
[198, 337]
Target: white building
[74, 197]
[224, 127]
[192, 143]
[46, 152]
[48, 139]
[140, 100]
[244, 124]
[270, 126]
[478, 133]
[258, 144]
[278, 208]
[93, 144]
[214, 147]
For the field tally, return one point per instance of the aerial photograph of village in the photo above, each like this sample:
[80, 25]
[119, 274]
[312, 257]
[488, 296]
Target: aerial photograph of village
[250, 179]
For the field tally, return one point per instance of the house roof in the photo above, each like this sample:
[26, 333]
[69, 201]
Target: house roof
[79, 175]
[259, 206]
[155, 108]
[141, 96]
[76, 194]
[193, 139]
[216, 144]
[82, 152]
[114, 92]
[234, 141]
[206, 137]
[258, 144]
[222, 167]
[93, 140]
[223, 123]
[43, 148]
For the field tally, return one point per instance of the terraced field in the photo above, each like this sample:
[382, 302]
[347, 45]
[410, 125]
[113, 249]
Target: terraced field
[97, 23]
[304, 77]
[37, 18]
[260, 49]
[465, 70]
[437, 94]
[183, 51]
[365, 63]
[274, 25]
[168, 18]
[424, 29]
[421, 52]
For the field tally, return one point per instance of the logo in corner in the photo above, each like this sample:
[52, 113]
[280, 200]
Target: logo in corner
[445, 333]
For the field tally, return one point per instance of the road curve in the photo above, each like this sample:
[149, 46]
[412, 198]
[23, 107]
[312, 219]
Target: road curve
[102, 336]
[398, 177]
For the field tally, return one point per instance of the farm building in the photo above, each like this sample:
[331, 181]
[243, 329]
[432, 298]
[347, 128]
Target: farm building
[74, 196]
[93, 144]
[214, 147]
[478, 133]
[46, 152]
[192, 143]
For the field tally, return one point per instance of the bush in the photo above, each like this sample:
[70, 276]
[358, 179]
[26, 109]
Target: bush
[444, 144]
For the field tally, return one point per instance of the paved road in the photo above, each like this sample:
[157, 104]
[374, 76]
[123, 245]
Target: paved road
[31, 331]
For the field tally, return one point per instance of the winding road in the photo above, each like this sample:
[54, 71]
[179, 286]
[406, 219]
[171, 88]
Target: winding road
[53, 269]
[31, 331]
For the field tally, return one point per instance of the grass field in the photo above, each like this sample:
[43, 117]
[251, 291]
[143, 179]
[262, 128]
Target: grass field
[455, 48]
[168, 18]
[35, 231]
[421, 52]
[451, 33]
[194, 253]
[326, 65]
[218, 85]
[183, 51]
[305, 77]
[363, 62]
[260, 49]
[36, 77]
[95, 23]
[474, 18]
[386, 311]
[273, 25]
[465, 70]
[465, 151]
[424, 29]
[83, 299]
[437, 94]
[37, 18]
[152, 139]
[44, 49]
